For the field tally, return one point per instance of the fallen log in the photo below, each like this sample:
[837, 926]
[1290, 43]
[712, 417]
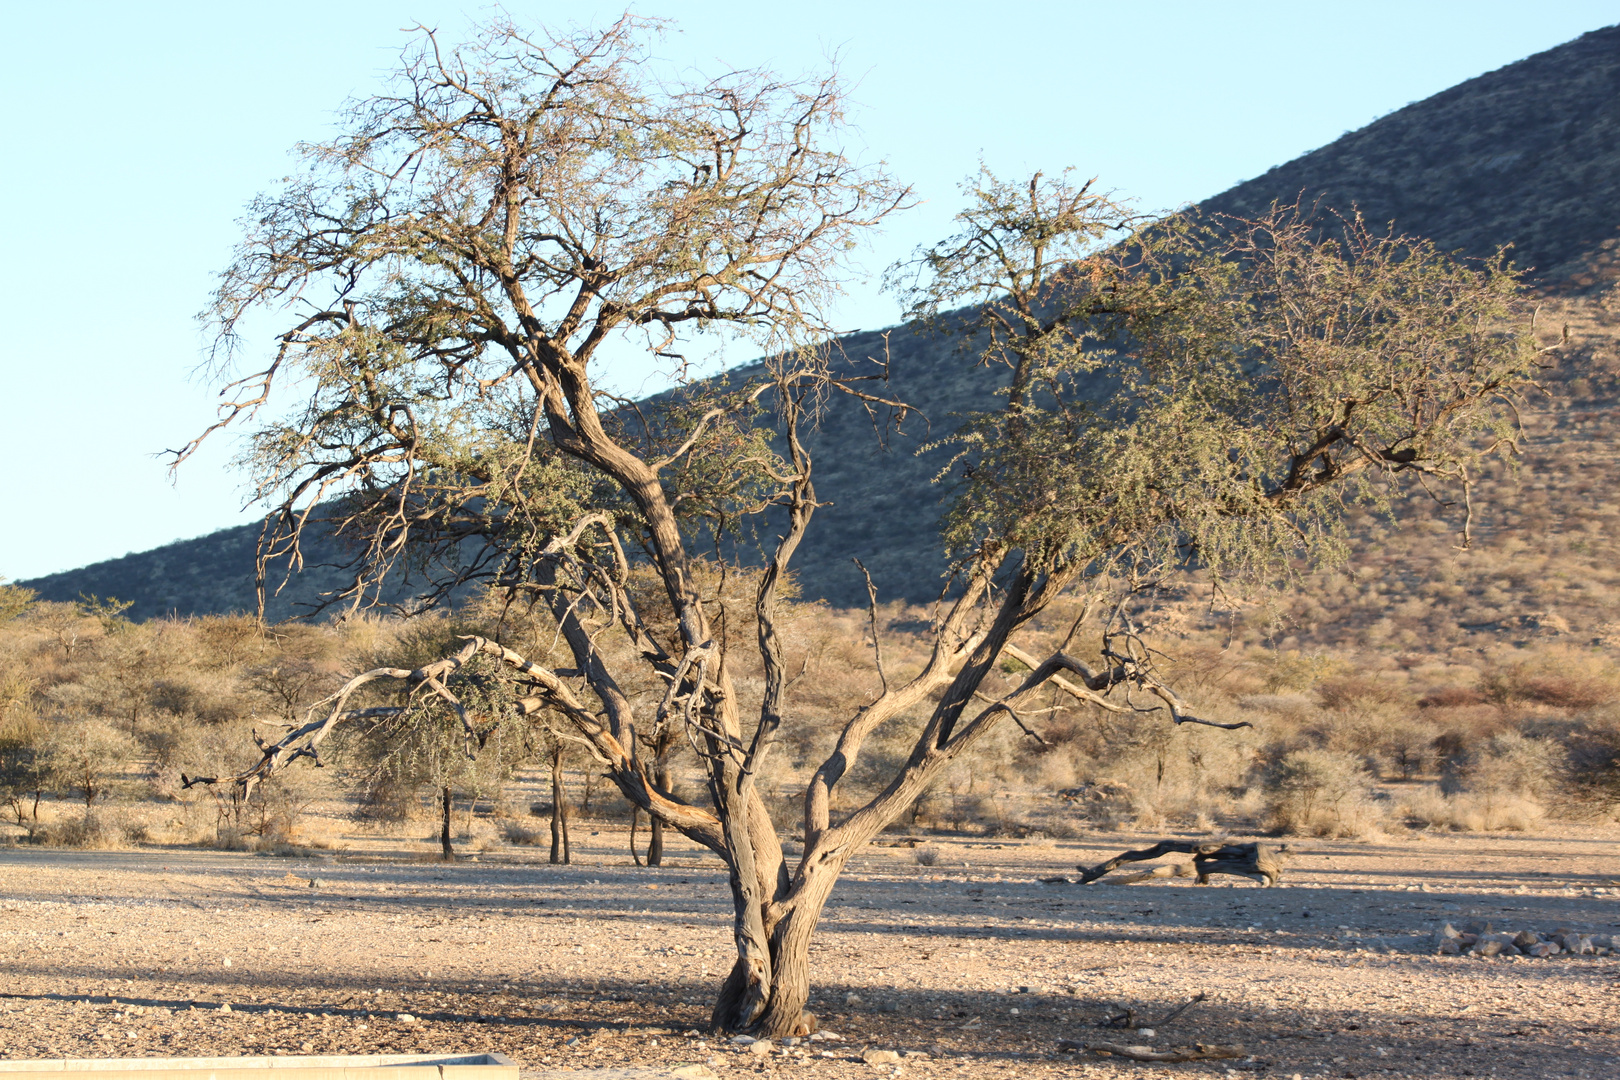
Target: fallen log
[1263, 862]
[1200, 1052]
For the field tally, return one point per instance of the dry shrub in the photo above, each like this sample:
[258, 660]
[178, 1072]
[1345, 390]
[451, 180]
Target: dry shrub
[99, 830]
[1428, 806]
[1451, 697]
[516, 832]
[1178, 774]
[1489, 783]
[1506, 765]
[926, 854]
[1560, 679]
[1360, 692]
[1320, 793]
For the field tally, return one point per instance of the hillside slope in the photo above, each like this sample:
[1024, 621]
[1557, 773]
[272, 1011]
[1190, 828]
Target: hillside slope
[1528, 154]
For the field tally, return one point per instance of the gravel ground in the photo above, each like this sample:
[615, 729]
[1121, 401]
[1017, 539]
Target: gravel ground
[972, 965]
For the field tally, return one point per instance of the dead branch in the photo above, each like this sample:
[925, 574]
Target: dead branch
[1255, 860]
[1198, 1052]
[1128, 1019]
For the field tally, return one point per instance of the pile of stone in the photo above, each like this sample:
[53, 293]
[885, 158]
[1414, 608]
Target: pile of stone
[1482, 940]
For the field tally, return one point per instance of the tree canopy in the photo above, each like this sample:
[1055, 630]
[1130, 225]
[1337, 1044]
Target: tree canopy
[458, 266]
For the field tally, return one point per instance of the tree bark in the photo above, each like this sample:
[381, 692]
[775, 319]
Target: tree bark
[655, 846]
[560, 852]
[444, 826]
[790, 924]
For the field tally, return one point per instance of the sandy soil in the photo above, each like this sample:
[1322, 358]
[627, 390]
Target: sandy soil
[973, 961]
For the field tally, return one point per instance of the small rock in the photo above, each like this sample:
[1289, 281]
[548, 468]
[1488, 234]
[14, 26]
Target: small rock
[226, 962]
[405, 1018]
[760, 1047]
[792, 1040]
[1147, 1033]
[879, 1057]
[852, 998]
[693, 1072]
[225, 1007]
[1544, 949]
[1524, 939]
[1447, 931]
[1486, 948]
[743, 1040]
[1449, 947]
[914, 1055]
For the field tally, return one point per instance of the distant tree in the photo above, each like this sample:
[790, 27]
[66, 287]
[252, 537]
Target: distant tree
[466, 257]
[14, 600]
[446, 746]
[84, 757]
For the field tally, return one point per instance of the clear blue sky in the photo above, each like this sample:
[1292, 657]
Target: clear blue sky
[135, 134]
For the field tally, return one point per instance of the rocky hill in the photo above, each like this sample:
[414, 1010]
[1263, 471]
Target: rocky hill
[1527, 155]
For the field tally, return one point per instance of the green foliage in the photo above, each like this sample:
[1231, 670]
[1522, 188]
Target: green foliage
[1214, 394]
[480, 237]
[14, 600]
[109, 612]
[427, 748]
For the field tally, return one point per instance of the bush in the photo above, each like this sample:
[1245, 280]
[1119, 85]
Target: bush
[97, 831]
[516, 832]
[1427, 806]
[1502, 782]
[1320, 793]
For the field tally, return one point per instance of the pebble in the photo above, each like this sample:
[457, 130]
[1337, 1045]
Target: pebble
[405, 1018]
[879, 1057]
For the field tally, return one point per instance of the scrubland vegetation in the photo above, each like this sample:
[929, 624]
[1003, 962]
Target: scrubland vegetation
[1420, 686]
[100, 718]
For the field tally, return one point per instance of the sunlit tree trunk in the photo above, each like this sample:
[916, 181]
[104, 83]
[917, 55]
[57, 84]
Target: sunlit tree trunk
[560, 852]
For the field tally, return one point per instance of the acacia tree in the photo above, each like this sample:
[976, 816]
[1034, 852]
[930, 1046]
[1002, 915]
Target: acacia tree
[462, 260]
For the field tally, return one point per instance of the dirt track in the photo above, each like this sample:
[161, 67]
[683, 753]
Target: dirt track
[981, 966]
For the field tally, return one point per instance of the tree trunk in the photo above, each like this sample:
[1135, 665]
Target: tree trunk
[559, 811]
[787, 989]
[444, 829]
[655, 847]
[635, 820]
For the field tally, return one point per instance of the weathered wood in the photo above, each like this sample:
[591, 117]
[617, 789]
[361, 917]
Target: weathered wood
[1254, 860]
[1200, 1052]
